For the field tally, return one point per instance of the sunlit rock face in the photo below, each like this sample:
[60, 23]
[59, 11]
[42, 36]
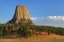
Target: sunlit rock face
[21, 16]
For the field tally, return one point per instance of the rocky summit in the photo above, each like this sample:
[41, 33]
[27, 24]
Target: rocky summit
[21, 16]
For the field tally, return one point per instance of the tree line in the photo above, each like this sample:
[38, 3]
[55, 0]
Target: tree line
[28, 30]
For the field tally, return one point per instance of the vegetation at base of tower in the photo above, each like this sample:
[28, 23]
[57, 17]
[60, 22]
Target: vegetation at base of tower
[49, 32]
[4, 31]
[28, 30]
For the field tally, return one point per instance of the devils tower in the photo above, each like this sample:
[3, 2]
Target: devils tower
[21, 16]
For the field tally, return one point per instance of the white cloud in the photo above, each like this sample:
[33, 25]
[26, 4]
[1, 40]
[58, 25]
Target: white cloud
[56, 17]
[49, 20]
[33, 18]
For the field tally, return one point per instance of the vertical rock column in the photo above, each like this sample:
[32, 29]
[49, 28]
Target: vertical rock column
[21, 15]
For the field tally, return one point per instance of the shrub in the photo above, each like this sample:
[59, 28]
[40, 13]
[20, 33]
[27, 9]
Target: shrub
[4, 31]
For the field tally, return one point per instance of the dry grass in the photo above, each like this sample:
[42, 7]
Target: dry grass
[22, 40]
[40, 38]
[32, 39]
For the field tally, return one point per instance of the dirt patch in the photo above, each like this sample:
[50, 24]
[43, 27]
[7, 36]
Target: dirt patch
[44, 35]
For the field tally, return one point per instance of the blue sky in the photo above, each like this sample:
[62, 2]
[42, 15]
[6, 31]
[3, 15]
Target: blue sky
[42, 12]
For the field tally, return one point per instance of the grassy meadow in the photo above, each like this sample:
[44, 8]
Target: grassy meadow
[33, 39]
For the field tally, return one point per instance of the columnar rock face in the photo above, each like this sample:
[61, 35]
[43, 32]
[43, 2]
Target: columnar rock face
[21, 16]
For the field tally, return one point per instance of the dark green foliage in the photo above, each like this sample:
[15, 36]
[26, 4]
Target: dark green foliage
[9, 27]
[33, 32]
[49, 32]
[26, 32]
[0, 30]
[29, 30]
[4, 31]
[20, 31]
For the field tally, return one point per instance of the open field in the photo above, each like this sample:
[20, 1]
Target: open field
[32, 40]
[40, 38]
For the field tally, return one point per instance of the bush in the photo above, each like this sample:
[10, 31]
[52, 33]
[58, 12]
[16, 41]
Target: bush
[4, 31]
[25, 32]
[49, 32]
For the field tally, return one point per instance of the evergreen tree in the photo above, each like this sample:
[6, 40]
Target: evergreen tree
[4, 31]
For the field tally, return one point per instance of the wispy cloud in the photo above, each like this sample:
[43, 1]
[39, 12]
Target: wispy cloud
[33, 18]
[49, 20]
[56, 17]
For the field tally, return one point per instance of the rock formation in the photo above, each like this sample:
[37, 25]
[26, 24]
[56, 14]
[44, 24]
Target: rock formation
[21, 16]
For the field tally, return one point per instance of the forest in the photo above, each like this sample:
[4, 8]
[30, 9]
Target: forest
[28, 30]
